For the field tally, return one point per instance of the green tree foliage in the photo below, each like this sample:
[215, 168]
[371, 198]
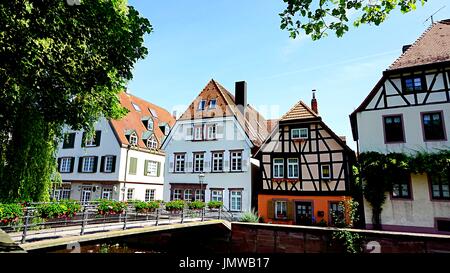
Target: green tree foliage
[316, 17]
[63, 63]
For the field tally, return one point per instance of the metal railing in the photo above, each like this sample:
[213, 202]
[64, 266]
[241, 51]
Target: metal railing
[31, 226]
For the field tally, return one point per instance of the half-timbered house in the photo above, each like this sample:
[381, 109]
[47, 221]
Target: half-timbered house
[305, 169]
[408, 111]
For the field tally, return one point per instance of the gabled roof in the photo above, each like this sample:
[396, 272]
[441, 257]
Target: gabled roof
[299, 111]
[251, 121]
[132, 122]
[431, 47]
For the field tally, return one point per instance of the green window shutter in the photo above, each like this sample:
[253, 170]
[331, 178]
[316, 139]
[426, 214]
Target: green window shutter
[145, 167]
[102, 164]
[290, 210]
[83, 140]
[59, 164]
[270, 209]
[159, 169]
[95, 164]
[113, 164]
[80, 164]
[133, 165]
[72, 163]
[98, 135]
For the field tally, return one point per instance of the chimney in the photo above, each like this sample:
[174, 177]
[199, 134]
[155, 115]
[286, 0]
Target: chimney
[314, 102]
[240, 95]
[174, 114]
[405, 47]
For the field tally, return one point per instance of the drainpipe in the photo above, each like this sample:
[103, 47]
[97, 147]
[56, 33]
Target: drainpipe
[125, 177]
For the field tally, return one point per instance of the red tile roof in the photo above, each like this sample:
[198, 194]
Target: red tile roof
[431, 47]
[133, 120]
[299, 111]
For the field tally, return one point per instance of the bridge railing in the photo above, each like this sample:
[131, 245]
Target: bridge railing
[33, 226]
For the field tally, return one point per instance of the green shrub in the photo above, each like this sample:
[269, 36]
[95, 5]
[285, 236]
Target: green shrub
[196, 205]
[215, 204]
[10, 213]
[250, 216]
[62, 209]
[144, 207]
[106, 207]
[175, 205]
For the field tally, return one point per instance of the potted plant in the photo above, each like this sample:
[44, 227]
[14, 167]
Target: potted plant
[214, 205]
[111, 207]
[10, 213]
[175, 206]
[196, 205]
[58, 210]
[146, 207]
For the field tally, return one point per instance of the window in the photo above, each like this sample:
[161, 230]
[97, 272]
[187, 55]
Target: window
[440, 186]
[411, 84]
[443, 225]
[299, 133]
[90, 142]
[292, 168]
[153, 112]
[198, 132]
[133, 165]
[278, 168]
[217, 162]
[88, 164]
[69, 141]
[211, 129]
[150, 125]
[187, 195]
[212, 104]
[107, 193]
[199, 195]
[393, 129]
[136, 107]
[65, 165]
[199, 159]
[109, 161]
[336, 213]
[325, 171]
[149, 195]
[235, 200]
[236, 161]
[176, 194]
[60, 194]
[179, 163]
[152, 168]
[133, 139]
[130, 193]
[401, 187]
[433, 126]
[217, 195]
[152, 143]
[280, 209]
[201, 105]
[86, 195]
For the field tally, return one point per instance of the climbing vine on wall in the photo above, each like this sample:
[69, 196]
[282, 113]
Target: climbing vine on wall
[379, 171]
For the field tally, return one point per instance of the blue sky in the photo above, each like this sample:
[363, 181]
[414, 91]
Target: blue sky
[230, 40]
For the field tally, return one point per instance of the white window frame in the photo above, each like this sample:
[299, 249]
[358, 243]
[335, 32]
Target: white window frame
[217, 160]
[150, 125]
[211, 132]
[107, 193]
[109, 160]
[200, 159]
[176, 194]
[329, 171]
[152, 168]
[236, 161]
[198, 132]
[280, 205]
[65, 165]
[293, 168]
[217, 195]
[180, 161]
[149, 195]
[152, 143]
[302, 133]
[133, 139]
[236, 200]
[86, 191]
[90, 142]
[88, 161]
[201, 105]
[278, 168]
[211, 106]
[199, 195]
[130, 192]
[187, 195]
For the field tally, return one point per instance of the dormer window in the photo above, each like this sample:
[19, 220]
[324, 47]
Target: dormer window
[212, 104]
[150, 125]
[153, 112]
[133, 139]
[201, 105]
[152, 143]
[136, 107]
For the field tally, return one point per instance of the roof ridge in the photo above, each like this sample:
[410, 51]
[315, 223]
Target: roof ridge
[304, 105]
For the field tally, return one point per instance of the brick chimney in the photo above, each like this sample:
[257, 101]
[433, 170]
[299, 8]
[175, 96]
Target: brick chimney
[240, 95]
[405, 47]
[314, 102]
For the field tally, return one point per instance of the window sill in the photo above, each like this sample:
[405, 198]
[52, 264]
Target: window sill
[434, 199]
[435, 140]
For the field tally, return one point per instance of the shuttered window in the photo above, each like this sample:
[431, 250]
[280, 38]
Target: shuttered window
[133, 165]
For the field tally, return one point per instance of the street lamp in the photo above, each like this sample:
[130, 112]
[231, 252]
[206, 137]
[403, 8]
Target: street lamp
[201, 179]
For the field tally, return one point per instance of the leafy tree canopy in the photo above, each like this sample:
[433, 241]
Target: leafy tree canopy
[315, 18]
[63, 63]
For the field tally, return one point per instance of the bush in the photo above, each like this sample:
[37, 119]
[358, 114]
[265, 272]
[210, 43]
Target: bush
[62, 209]
[106, 207]
[215, 204]
[196, 205]
[10, 213]
[175, 205]
[144, 207]
[250, 216]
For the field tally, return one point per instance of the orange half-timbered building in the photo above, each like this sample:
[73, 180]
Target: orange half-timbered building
[306, 169]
